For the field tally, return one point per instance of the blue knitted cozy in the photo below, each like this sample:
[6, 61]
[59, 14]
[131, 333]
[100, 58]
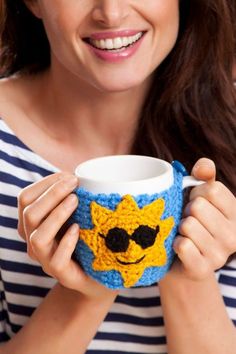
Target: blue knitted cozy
[127, 241]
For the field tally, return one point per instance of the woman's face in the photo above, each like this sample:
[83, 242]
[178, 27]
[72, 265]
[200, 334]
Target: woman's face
[113, 45]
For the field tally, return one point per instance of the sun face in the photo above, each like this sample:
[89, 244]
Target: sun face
[128, 239]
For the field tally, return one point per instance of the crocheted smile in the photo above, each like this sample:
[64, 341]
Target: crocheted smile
[128, 239]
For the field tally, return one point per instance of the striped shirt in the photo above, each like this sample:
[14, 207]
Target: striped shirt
[134, 323]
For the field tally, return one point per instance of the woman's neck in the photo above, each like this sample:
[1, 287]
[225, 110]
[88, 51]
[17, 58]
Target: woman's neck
[72, 109]
[77, 122]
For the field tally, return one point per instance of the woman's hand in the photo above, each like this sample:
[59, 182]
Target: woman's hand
[208, 228]
[44, 207]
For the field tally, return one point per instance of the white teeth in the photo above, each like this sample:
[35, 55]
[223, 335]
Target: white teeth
[125, 41]
[115, 43]
[108, 43]
[102, 43]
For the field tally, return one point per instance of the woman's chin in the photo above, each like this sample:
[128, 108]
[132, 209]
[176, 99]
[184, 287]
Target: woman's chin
[113, 86]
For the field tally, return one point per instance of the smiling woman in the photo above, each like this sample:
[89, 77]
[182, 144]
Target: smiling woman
[25, 47]
[88, 78]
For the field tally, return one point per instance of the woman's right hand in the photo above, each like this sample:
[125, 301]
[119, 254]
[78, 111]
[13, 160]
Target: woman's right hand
[43, 208]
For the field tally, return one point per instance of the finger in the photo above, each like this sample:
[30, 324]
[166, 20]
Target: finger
[204, 169]
[68, 272]
[35, 213]
[63, 268]
[32, 192]
[203, 240]
[218, 195]
[207, 214]
[193, 262]
[43, 239]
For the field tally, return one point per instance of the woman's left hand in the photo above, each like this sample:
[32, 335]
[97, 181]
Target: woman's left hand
[208, 228]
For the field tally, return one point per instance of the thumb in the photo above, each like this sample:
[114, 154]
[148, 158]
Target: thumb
[204, 169]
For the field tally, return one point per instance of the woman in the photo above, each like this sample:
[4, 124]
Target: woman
[100, 77]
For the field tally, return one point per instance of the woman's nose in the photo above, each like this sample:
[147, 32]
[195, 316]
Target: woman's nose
[110, 13]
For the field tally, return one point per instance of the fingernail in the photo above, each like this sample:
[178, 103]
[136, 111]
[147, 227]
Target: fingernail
[71, 200]
[196, 167]
[71, 181]
[176, 243]
[74, 229]
[204, 162]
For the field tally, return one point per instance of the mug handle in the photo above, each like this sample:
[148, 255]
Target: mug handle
[190, 181]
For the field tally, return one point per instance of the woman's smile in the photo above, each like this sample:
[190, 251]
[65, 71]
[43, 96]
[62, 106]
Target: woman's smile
[115, 46]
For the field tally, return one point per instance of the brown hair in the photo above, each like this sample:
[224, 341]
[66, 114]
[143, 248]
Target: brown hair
[2, 15]
[190, 110]
[24, 44]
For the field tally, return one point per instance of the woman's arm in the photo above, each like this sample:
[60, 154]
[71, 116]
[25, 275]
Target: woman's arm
[70, 314]
[65, 322]
[195, 316]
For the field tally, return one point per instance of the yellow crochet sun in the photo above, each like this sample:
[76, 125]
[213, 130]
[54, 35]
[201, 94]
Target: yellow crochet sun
[128, 239]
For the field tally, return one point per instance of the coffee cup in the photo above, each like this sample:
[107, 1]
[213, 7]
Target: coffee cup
[128, 212]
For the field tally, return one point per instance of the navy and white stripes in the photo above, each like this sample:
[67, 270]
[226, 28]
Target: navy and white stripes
[135, 322]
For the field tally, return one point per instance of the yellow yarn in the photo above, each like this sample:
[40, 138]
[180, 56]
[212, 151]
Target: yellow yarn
[127, 216]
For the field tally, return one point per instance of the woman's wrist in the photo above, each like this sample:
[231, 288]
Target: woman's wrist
[178, 281]
[79, 298]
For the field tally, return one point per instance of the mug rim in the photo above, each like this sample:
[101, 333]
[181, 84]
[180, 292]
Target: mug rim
[141, 186]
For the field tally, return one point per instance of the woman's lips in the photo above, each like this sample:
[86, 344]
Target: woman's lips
[116, 55]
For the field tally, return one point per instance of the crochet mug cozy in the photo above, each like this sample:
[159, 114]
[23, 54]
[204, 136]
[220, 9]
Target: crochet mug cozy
[128, 212]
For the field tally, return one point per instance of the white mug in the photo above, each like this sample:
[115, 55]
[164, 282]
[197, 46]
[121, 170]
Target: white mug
[128, 212]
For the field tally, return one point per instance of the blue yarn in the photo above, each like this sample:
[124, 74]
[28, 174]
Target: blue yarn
[84, 256]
